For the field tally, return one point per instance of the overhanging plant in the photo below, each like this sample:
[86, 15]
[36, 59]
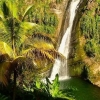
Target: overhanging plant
[14, 50]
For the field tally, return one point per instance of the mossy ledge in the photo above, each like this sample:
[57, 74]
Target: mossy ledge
[84, 57]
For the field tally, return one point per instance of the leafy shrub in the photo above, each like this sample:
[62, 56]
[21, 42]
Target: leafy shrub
[48, 90]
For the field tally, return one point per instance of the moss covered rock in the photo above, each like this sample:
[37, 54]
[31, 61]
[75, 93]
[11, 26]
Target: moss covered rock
[86, 50]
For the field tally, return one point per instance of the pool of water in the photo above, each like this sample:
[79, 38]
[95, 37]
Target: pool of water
[81, 89]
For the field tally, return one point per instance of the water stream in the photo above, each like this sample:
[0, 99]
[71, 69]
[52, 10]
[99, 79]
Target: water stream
[61, 67]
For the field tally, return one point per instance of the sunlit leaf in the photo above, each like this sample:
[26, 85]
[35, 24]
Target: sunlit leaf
[10, 9]
[5, 49]
[42, 44]
[27, 25]
[38, 84]
[43, 37]
[1, 15]
[27, 11]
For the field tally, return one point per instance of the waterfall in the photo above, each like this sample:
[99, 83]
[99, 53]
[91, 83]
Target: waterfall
[61, 67]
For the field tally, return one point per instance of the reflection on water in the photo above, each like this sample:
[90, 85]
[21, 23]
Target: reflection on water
[82, 90]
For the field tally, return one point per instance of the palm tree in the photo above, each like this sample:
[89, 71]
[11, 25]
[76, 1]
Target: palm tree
[17, 42]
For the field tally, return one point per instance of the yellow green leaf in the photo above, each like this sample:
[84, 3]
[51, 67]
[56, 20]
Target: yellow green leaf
[5, 49]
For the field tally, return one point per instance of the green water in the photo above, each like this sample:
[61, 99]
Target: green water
[81, 89]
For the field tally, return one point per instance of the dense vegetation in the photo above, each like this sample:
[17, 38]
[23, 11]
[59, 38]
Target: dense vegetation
[85, 59]
[90, 27]
[27, 47]
[85, 54]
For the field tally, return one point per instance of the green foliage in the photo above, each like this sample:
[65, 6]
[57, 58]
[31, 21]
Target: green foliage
[42, 15]
[48, 89]
[16, 30]
[2, 97]
[54, 87]
[90, 29]
[16, 37]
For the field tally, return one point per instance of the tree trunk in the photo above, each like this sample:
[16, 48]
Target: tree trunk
[14, 87]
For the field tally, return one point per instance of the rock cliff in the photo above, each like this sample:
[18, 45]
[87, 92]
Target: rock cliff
[85, 43]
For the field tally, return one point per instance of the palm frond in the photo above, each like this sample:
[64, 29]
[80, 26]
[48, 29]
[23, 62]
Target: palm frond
[5, 34]
[42, 37]
[5, 49]
[55, 54]
[38, 53]
[27, 25]
[14, 10]
[22, 31]
[5, 9]
[9, 9]
[27, 11]
[42, 44]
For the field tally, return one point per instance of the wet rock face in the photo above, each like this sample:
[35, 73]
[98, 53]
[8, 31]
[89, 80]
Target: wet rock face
[61, 11]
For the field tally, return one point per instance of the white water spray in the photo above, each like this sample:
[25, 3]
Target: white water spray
[61, 67]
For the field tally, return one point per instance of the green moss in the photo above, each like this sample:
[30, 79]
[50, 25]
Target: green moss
[89, 26]
[76, 69]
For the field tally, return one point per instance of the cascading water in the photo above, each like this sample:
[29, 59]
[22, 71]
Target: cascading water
[61, 67]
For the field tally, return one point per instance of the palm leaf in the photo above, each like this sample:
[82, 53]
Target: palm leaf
[5, 72]
[55, 54]
[42, 37]
[5, 49]
[5, 9]
[5, 33]
[14, 10]
[38, 53]
[42, 55]
[22, 31]
[27, 11]
[42, 44]
[27, 25]
[9, 9]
